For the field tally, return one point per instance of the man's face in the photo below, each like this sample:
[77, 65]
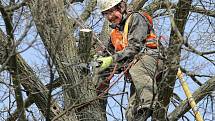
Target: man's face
[113, 15]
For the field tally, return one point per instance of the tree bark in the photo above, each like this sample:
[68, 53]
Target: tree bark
[54, 28]
[27, 78]
[166, 86]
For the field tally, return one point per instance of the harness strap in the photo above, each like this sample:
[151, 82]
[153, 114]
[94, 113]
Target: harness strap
[125, 32]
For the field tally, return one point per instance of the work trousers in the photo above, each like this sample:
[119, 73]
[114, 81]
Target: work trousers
[143, 75]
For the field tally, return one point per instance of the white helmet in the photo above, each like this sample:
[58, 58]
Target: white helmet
[107, 4]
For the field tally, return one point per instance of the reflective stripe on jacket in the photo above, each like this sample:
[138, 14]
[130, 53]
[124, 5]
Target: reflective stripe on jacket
[120, 39]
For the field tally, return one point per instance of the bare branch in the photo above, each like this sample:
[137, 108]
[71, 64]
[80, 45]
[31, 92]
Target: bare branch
[156, 5]
[191, 49]
[137, 4]
[198, 95]
[54, 28]
[84, 16]
[166, 86]
[14, 7]
[28, 79]
[203, 11]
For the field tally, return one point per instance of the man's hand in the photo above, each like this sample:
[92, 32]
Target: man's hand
[105, 62]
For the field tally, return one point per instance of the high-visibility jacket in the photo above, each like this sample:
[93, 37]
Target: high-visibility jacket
[120, 39]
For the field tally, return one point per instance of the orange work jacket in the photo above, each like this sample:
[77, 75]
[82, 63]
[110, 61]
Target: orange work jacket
[120, 39]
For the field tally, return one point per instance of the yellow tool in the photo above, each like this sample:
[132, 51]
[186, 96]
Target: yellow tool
[189, 96]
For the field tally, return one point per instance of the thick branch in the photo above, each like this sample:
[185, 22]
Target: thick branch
[156, 5]
[12, 62]
[166, 86]
[7, 20]
[203, 11]
[14, 7]
[198, 95]
[17, 87]
[30, 100]
[28, 79]
[84, 16]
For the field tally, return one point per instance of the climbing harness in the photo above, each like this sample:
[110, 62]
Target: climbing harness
[120, 39]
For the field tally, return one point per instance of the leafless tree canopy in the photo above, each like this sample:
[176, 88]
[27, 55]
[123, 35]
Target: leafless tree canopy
[41, 48]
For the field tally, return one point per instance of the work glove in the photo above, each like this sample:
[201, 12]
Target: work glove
[105, 62]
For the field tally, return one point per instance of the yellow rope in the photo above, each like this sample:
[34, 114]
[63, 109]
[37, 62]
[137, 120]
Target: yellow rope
[189, 96]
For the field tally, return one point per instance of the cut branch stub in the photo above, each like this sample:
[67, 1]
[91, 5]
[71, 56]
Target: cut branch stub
[84, 44]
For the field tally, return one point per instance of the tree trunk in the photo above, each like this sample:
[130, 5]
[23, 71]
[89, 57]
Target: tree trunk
[166, 86]
[54, 29]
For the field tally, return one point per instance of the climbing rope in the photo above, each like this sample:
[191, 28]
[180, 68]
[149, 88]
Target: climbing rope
[189, 96]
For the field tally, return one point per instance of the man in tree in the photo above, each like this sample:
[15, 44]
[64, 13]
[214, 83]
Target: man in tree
[133, 41]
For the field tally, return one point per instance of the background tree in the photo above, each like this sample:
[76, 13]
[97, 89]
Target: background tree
[52, 90]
